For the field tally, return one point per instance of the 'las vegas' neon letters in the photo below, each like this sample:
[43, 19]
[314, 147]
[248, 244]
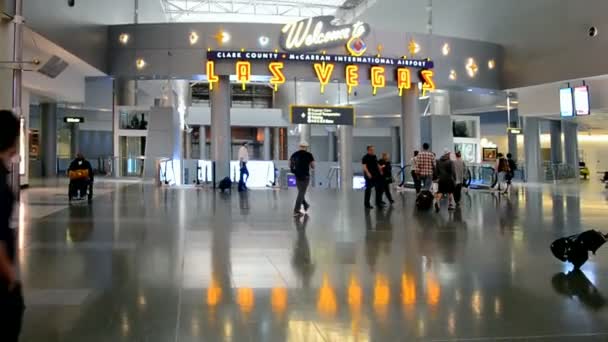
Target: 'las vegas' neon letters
[323, 71]
[352, 77]
[428, 83]
[211, 76]
[378, 79]
[278, 78]
[403, 80]
[243, 72]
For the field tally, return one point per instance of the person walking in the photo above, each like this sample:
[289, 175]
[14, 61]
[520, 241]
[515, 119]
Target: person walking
[373, 177]
[459, 170]
[243, 159]
[512, 169]
[446, 177]
[81, 176]
[11, 297]
[502, 170]
[387, 175]
[425, 165]
[300, 164]
[414, 173]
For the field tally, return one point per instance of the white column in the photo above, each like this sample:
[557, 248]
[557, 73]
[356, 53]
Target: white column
[570, 130]
[556, 142]
[74, 139]
[202, 138]
[331, 146]
[395, 153]
[534, 168]
[267, 143]
[48, 132]
[305, 133]
[410, 124]
[345, 157]
[221, 140]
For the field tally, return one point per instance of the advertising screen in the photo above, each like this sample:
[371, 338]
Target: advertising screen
[565, 102]
[581, 100]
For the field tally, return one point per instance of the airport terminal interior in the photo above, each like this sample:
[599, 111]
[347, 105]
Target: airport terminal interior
[159, 169]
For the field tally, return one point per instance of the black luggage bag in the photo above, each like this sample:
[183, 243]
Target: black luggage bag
[225, 184]
[575, 248]
[424, 200]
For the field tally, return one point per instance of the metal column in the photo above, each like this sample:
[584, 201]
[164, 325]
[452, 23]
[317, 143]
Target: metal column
[74, 139]
[48, 116]
[512, 142]
[556, 142]
[221, 140]
[305, 133]
[395, 153]
[276, 143]
[202, 138]
[331, 146]
[345, 157]
[570, 130]
[267, 142]
[534, 167]
[410, 124]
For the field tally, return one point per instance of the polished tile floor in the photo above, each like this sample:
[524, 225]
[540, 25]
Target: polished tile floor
[149, 264]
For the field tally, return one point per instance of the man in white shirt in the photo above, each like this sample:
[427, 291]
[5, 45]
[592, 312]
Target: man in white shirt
[243, 159]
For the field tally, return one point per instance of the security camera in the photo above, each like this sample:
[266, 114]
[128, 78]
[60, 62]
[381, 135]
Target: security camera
[593, 31]
[71, 3]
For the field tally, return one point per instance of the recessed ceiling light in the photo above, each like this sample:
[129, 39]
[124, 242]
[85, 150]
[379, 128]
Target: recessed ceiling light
[140, 63]
[491, 64]
[263, 40]
[445, 50]
[123, 38]
[453, 76]
[193, 38]
[471, 67]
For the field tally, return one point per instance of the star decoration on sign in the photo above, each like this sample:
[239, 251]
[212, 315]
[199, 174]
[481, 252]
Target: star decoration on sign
[413, 47]
[471, 67]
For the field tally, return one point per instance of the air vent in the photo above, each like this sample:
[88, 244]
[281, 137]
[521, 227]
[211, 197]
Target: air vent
[53, 67]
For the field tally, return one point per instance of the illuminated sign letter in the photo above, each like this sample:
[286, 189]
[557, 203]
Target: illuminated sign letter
[352, 77]
[323, 72]
[276, 69]
[243, 72]
[211, 76]
[377, 78]
[428, 83]
[403, 80]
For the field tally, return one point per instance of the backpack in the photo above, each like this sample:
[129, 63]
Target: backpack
[225, 184]
[512, 165]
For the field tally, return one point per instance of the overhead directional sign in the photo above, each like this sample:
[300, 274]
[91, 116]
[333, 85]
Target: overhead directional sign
[323, 115]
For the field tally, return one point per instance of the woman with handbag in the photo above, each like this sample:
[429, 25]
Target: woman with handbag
[11, 298]
[387, 175]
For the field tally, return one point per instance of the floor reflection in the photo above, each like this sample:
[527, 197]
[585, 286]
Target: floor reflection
[301, 259]
[576, 284]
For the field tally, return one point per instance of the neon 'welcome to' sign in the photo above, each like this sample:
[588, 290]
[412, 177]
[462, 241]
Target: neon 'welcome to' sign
[319, 33]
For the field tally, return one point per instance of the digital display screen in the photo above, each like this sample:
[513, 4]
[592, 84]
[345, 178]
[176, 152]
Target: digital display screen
[565, 102]
[581, 100]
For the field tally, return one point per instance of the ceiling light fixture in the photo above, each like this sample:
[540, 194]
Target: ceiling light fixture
[453, 76]
[491, 64]
[471, 67]
[225, 36]
[263, 40]
[413, 47]
[140, 63]
[193, 38]
[123, 38]
[445, 50]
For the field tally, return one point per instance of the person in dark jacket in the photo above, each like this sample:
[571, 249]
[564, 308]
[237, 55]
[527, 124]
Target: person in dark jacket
[387, 175]
[80, 185]
[446, 180]
[11, 299]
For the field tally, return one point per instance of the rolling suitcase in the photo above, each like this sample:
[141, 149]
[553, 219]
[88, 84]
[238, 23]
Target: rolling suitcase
[424, 200]
[225, 184]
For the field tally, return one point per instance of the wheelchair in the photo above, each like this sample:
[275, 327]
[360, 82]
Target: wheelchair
[80, 180]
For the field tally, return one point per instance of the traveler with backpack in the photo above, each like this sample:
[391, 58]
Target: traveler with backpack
[446, 178]
[387, 176]
[300, 164]
[512, 169]
[425, 164]
[502, 170]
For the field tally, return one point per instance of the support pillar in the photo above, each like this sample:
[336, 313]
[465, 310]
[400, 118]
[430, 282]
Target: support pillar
[331, 146]
[410, 124]
[305, 133]
[395, 153]
[48, 132]
[534, 168]
[556, 142]
[345, 157]
[570, 130]
[276, 143]
[221, 140]
[202, 138]
[512, 142]
[74, 139]
[125, 94]
[267, 141]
